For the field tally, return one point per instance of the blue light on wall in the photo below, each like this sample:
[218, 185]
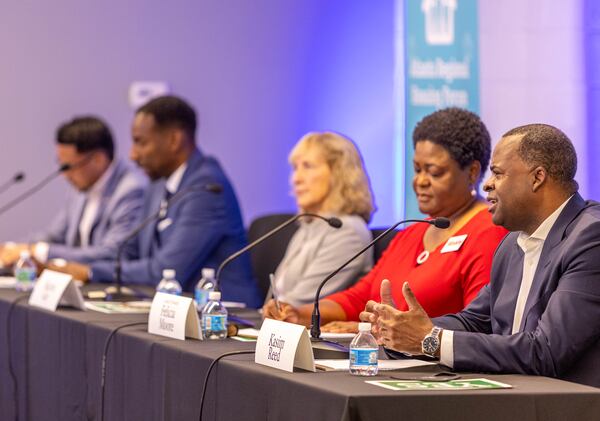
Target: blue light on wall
[349, 87]
[591, 25]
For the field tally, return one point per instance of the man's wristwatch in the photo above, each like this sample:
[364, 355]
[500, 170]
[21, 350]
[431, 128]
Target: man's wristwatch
[431, 343]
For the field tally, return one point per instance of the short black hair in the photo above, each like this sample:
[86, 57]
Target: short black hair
[171, 111]
[546, 146]
[460, 132]
[87, 133]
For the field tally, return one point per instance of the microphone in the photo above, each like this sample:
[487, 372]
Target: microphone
[333, 222]
[315, 328]
[34, 189]
[161, 213]
[17, 178]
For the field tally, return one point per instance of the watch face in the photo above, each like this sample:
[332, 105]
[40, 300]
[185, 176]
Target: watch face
[430, 345]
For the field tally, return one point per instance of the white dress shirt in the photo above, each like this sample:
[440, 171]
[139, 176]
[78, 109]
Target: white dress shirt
[171, 186]
[174, 180]
[532, 246]
[88, 215]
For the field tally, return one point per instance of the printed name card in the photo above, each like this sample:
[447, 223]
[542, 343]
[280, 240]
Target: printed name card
[174, 317]
[54, 288]
[284, 346]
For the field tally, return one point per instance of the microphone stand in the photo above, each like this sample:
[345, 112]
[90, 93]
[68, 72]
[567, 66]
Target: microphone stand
[34, 189]
[17, 178]
[315, 328]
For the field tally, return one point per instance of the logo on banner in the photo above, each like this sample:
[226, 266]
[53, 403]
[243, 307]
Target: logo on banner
[439, 21]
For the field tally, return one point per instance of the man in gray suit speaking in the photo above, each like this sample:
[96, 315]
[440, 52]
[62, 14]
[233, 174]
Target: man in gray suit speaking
[540, 313]
[103, 207]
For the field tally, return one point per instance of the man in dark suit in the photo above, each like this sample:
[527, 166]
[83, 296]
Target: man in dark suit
[540, 314]
[198, 230]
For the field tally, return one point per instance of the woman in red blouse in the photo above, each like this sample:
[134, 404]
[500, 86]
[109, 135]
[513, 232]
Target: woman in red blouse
[445, 268]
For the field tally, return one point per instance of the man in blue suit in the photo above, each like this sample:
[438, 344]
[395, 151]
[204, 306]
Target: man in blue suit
[540, 314]
[201, 228]
[103, 207]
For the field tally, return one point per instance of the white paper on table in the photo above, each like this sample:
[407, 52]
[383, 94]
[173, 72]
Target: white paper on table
[335, 336]
[233, 304]
[383, 365]
[8, 281]
[248, 332]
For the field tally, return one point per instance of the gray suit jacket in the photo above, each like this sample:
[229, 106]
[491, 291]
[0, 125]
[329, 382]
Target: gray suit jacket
[560, 330]
[119, 212]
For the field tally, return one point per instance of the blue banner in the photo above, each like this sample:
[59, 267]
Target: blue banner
[441, 68]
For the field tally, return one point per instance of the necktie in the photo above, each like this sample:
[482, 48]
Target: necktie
[164, 205]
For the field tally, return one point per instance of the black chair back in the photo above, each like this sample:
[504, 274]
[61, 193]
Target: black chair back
[380, 246]
[266, 257]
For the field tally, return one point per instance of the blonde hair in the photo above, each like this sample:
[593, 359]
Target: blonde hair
[350, 190]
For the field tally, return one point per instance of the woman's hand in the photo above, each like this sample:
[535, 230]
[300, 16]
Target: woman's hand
[286, 312]
[340, 327]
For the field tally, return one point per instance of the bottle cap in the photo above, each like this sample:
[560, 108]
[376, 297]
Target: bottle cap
[208, 273]
[364, 327]
[214, 295]
[168, 273]
[24, 254]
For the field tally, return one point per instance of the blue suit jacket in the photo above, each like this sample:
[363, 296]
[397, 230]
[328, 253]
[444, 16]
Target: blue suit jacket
[119, 211]
[205, 228]
[560, 330]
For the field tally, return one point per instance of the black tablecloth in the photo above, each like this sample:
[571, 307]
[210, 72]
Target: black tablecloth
[57, 366]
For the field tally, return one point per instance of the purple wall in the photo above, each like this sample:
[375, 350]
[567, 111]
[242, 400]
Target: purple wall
[260, 73]
[532, 70]
[591, 19]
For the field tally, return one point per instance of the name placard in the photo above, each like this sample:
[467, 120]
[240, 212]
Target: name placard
[284, 346]
[174, 317]
[54, 288]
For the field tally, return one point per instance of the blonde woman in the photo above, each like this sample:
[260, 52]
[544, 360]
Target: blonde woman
[328, 178]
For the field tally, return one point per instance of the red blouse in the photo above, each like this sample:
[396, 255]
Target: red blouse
[444, 283]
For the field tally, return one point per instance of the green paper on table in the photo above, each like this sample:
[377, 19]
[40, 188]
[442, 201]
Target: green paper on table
[464, 384]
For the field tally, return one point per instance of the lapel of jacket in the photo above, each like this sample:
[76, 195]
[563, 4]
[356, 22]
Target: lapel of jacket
[107, 195]
[153, 205]
[74, 219]
[555, 236]
[193, 165]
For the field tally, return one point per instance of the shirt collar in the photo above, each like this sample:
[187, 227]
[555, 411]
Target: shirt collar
[100, 184]
[541, 233]
[174, 180]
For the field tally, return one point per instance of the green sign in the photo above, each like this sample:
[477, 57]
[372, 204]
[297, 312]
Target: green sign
[467, 384]
[441, 54]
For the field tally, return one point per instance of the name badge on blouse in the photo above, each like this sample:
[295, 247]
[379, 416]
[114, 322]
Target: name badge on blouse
[454, 243]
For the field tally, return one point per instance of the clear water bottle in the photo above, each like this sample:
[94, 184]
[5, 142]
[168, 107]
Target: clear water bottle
[214, 317]
[205, 285]
[363, 352]
[25, 272]
[169, 284]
